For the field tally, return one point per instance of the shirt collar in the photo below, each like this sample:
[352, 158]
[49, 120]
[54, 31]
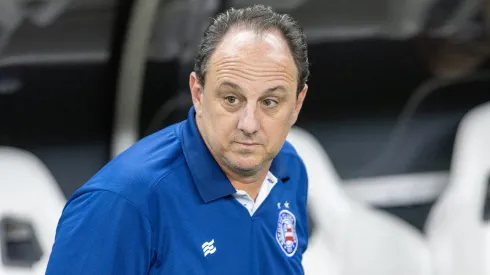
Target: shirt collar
[270, 178]
[210, 180]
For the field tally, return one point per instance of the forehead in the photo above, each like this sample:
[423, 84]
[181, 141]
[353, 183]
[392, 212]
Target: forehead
[245, 49]
[242, 41]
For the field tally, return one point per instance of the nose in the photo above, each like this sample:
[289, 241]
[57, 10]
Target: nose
[248, 122]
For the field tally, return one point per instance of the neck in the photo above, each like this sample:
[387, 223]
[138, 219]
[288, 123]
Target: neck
[249, 183]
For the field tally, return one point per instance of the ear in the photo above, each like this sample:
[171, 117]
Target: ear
[196, 93]
[299, 104]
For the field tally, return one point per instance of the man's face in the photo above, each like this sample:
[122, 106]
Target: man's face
[249, 101]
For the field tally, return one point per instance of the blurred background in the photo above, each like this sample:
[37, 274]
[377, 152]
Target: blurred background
[397, 109]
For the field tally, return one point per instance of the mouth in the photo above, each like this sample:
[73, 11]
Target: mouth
[248, 144]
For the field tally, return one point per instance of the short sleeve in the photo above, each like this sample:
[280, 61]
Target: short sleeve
[101, 232]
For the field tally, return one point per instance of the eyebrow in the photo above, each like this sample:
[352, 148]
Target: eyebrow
[234, 86]
[279, 88]
[230, 85]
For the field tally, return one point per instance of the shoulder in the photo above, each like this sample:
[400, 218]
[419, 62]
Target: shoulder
[288, 164]
[133, 174]
[291, 158]
[296, 169]
[288, 149]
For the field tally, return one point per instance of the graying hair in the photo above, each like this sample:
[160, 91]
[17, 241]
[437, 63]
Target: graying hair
[259, 18]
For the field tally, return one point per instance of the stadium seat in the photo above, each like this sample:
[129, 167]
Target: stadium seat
[352, 237]
[30, 206]
[457, 228]
[318, 259]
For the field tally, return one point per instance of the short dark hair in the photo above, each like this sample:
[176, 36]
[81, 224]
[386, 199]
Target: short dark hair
[259, 18]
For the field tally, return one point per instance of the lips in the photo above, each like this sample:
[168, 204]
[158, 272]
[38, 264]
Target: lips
[248, 143]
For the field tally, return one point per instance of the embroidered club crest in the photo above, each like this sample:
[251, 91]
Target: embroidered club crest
[286, 232]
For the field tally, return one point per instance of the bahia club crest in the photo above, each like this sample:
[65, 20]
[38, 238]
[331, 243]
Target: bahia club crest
[286, 232]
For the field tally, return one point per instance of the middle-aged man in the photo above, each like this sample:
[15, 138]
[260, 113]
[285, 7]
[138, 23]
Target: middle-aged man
[219, 193]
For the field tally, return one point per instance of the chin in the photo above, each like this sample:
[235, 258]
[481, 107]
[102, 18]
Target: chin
[245, 163]
[251, 163]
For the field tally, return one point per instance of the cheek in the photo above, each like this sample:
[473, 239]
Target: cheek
[223, 126]
[276, 129]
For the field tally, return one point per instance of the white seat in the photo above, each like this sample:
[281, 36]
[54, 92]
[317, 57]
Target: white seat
[318, 259]
[457, 235]
[28, 192]
[355, 238]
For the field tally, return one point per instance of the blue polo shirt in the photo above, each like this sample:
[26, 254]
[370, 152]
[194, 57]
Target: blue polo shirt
[164, 206]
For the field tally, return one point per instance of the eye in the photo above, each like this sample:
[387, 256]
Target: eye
[231, 100]
[269, 102]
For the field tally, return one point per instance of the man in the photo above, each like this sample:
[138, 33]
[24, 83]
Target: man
[219, 193]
